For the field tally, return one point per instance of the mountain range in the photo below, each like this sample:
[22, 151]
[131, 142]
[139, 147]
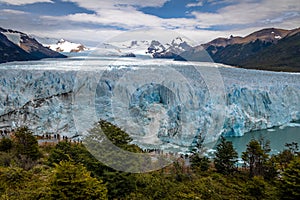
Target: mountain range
[152, 48]
[176, 47]
[267, 49]
[18, 46]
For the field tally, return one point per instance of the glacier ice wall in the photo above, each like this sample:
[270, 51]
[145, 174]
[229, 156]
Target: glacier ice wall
[40, 99]
[258, 100]
[170, 111]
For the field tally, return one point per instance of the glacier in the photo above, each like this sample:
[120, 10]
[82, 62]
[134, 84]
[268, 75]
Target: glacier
[160, 103]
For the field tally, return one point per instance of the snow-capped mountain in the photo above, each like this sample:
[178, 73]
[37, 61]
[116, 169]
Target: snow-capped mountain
[138, 48]
[173, 49]
[66, 46]
[153, 48]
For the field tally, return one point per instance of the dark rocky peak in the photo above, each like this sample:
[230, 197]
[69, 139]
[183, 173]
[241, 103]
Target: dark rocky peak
[155, 46]
[18, 46]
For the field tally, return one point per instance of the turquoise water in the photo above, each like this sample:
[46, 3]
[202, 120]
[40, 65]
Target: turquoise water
[278, 137]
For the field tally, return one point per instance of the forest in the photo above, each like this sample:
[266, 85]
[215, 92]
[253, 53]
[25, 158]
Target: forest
[67, 170]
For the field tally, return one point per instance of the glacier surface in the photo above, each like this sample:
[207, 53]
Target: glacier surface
[161, 103]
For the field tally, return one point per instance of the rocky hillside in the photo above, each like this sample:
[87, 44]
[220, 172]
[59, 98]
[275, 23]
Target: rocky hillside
[11, 52]
[271, 35]
[267, 49]
[18, 46]
[284, 56]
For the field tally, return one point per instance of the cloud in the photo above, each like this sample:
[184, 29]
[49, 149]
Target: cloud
[197, 4]
[114, 17]
[23, 2]
[238, 13]
[121, 13]
[249, 13]
[243, 14]
[14, 12]
[99, 5]
[124, 19]
[16, 19]
[215, 2]
[128, 19]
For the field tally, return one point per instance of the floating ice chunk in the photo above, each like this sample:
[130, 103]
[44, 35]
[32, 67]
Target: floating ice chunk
[289, 125]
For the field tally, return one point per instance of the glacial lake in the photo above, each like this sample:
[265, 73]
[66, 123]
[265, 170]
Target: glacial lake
[277, 136]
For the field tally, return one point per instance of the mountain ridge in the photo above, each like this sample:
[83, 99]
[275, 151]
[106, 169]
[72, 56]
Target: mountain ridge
[267, 35]
[254, 51]
[153, 48]
[18, 46]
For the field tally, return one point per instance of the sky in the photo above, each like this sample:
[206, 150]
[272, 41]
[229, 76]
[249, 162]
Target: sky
[94, 21]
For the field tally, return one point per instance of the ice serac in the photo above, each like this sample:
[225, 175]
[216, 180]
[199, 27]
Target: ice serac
[258, 100]
[257, 109]
[38, 99]
[171, 108]
[153, 109]
[254, 100]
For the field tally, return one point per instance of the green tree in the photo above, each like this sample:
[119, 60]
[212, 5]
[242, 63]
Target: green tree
[6, 156]
[66, 151]
[6, 144]
[197, 145]
[75, 182]
[116, 135]
[284, 158]
[256, 187]
[256, 155]
[12, 177]
[26, 144]
[290, 181]
[6, 159]
[154, 186]
[270, 168]
[17, 183]
[119, 184]
[287, 155]
[198, 161]
[226, 157]
[293, 147]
